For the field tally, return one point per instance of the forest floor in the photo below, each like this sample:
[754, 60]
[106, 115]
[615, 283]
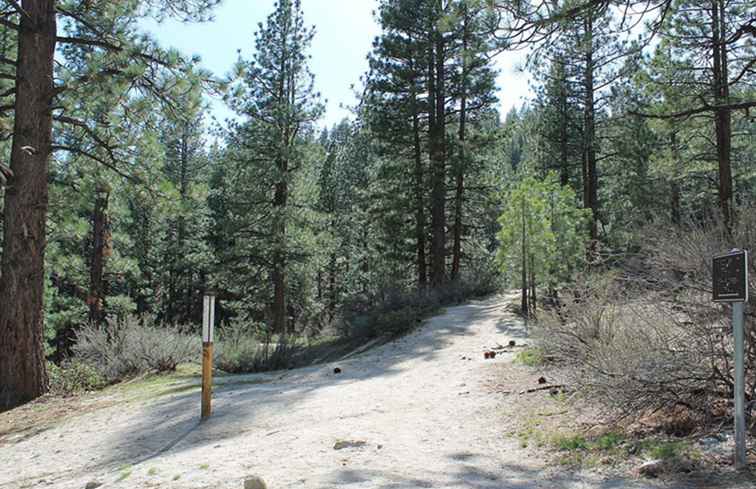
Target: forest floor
[424, 411]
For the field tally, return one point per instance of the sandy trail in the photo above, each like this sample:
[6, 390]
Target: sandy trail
[423, 413]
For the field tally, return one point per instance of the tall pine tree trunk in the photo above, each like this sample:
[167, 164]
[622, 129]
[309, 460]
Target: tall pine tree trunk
[524, 271]
[722, 117]
[674, 190]
[564, 162]
[332, 299]
[279, 259]
[420, 237]
[100, 251]
[22, 361]
[590, 183]
[461, 164]
[438, 156]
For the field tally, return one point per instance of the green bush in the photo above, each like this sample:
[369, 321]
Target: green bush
[133, 346]
[73, 377]
[241, 349]
[396, 311]
[570, 442]
[663, 450]
[532, 357]
[609, 441]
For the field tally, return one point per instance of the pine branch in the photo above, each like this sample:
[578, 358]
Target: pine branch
[698, 110]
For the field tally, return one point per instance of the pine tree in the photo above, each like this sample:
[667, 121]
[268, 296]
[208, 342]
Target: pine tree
[279, 104]
[93, 30]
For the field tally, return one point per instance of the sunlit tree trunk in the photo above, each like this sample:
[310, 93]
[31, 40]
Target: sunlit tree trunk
[22, 362]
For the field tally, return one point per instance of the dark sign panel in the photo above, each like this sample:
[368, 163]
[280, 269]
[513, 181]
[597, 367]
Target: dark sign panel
[730, 274]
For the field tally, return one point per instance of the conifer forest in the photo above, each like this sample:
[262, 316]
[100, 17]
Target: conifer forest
[123, 200]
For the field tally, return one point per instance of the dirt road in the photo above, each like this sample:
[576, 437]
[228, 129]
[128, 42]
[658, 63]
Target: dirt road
[412, 414]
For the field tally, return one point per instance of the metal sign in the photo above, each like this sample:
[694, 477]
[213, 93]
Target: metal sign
[730, 277]
[730, 273]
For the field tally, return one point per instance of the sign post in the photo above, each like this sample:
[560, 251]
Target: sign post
[730, 273]
[208, 321]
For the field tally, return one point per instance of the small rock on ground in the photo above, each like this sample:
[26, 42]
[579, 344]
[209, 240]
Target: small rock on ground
[340, 445]
[652, 468]
[254, 482]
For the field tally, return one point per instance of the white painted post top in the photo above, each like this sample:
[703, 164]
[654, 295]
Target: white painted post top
[208, 318]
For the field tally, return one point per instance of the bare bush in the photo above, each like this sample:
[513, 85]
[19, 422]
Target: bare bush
[645, 348]
[634, 355]
[132, 346]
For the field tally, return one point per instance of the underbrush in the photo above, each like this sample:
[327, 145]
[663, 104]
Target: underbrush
[242, 349]
[651, 339]
[395, 311]
[132, 346]
[74, 377]
[531, 357]
[565, 445]
[641, 341]
[246, 347]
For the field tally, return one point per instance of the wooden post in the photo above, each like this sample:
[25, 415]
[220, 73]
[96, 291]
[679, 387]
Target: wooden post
[208, 321]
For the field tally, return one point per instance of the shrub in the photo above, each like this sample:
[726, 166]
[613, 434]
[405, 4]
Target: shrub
[608, 441]
[241, 349]
[394, 311]
[532, 357]
[74, 376]
[132, 346]
[632, 354]
[569, 442]
[650, 338]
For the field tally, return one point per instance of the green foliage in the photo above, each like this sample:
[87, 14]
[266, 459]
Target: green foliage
[532, 357]
[245, 347]
[663, 449]
[608, 441]
[570, 442]
[542, 231]
[74, 377]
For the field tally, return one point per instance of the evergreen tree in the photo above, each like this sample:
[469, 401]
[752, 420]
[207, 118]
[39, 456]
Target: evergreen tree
[94, 31]
[277, 100]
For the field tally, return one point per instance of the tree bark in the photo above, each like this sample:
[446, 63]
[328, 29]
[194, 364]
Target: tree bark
[100, 252]
[332, 299]
[564, 172]
[420, 236]
[438, 156]
[279, 259]
[23, 376]
[524, 274]
[722, 117]
[461, 164]
[590, 178]
[674, 190]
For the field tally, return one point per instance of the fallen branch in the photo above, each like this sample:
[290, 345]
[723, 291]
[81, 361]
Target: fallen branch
[542, 388]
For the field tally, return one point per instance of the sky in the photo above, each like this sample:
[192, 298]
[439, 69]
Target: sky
[345, 30]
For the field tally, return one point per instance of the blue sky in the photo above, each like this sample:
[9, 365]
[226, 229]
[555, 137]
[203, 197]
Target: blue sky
[345, 30]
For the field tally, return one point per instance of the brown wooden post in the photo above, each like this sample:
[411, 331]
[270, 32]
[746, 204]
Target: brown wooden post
[208, 321]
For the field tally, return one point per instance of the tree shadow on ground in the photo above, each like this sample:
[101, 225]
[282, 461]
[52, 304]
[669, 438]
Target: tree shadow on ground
[512, 328]
[170, 425]
[475, 471]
